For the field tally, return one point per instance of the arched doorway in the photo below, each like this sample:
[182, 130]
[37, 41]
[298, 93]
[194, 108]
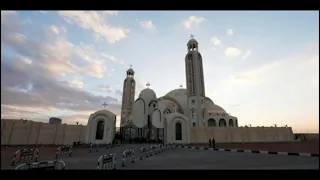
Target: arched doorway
[100, 130]
[211, 123]
[178, 131]
[222, 123]
[230, 123]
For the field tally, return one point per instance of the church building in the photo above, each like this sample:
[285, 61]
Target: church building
[182, 116]
[171, 116]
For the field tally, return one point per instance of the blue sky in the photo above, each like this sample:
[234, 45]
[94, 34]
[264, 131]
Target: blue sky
[261, 66]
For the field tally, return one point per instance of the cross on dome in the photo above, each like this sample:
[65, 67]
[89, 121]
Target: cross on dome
[192, 36]
[130, 65]
[181, 86]
[105, 104]
[148, 84]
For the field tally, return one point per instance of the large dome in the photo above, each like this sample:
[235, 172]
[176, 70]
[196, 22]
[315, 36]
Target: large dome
[180, 95]
[213, 108]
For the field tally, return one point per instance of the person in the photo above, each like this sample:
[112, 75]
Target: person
[213, 143]
[209, 143]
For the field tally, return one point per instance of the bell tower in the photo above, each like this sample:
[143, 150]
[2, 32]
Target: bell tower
[129, 86]
[195, 83]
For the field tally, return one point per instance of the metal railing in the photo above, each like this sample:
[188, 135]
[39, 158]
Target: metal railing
[127, 155]
[45, 165]
[107, 162]
[61, 150]
[26, 155]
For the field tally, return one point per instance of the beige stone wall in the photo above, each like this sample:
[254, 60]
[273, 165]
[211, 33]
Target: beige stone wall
[308, 136]
[241, 134]
[15, 132]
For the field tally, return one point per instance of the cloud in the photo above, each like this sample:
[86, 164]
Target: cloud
[58, 30]
[27, 21]
[193, 21]
[147, 25]
[215, 41]
[74, 83]
[96, 21]
[234, 52]
[105, 88]
[54, 29]
[246, 54]
[229, 32]
[29, 80]
[111, 57]
[111, 12]
[16, 112]
[253, 75]
[277, 88]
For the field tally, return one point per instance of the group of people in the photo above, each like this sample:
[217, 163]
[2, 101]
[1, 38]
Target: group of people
[212, 143]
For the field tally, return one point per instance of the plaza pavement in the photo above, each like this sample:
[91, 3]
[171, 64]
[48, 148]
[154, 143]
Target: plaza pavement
[181, 158]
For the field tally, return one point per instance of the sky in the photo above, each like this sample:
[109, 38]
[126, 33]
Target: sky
[260, 66]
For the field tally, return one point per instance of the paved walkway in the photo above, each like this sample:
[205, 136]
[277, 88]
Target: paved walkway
[180, 158]
[196, 159]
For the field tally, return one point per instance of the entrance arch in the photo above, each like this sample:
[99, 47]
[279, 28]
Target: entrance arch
[100, 130]
[178, 129]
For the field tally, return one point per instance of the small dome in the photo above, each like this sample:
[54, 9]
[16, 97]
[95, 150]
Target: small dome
[192, 41]
[147, 94]
[102, 111]
[130, 70]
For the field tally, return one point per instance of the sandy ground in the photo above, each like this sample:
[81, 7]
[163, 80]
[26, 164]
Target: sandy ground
[295, 147]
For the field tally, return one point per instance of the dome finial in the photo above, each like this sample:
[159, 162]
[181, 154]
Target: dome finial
[105, 104]
[130, 65]
[148, 84]
[191, 36]
[181, 86]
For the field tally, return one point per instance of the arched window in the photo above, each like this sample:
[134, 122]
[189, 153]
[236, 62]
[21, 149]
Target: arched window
[167, 111]
[193, 114]
[100, 130]
[222, 123]
[230, 123]
[212, 123]
[178, 131]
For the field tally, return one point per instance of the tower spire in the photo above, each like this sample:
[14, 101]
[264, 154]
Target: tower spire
[128, 94]
[130, 71]
[194, 83]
